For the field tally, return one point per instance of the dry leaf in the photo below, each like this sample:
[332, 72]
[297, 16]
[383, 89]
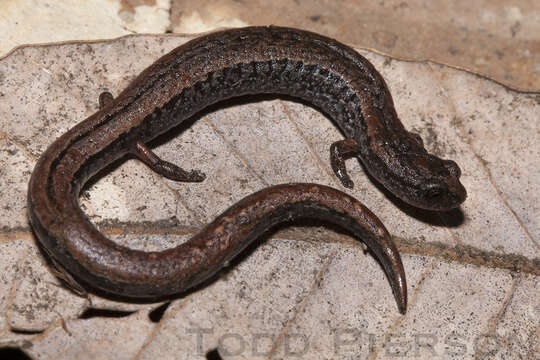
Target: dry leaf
[305, 291]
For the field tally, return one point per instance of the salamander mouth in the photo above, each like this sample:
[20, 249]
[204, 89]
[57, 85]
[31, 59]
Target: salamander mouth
[432, 183]
[444, 195]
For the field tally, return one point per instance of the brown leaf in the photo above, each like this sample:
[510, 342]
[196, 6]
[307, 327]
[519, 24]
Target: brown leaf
[306, 290]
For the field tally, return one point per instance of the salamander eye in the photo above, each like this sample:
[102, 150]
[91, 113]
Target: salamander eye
[452, 167]
[434, 190]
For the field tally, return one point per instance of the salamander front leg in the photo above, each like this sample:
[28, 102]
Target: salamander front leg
[165, 168]
[339, 152]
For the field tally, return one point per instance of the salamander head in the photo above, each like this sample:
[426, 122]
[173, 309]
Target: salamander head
[433, 183]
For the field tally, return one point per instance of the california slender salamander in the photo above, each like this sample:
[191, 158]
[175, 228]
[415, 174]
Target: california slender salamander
[221, 65]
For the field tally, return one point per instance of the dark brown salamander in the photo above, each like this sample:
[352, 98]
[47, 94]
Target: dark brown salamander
[206, 70]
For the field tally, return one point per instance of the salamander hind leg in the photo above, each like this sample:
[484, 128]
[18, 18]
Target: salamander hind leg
[165, 168]
[339, 152]
[105, 98]
[147, 156]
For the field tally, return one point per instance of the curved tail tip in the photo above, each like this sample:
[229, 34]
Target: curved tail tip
[402, 304]
[399, 287]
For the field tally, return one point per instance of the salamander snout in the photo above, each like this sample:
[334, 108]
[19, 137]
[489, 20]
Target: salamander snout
[444, 191]
[434, 183]
[452, 168]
